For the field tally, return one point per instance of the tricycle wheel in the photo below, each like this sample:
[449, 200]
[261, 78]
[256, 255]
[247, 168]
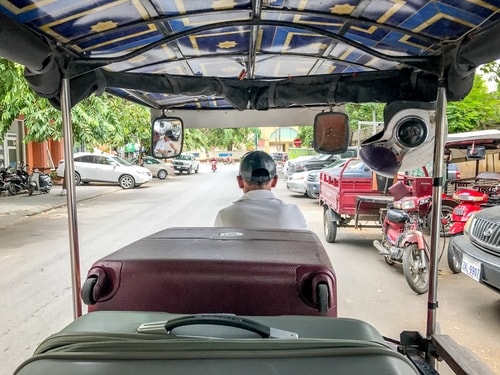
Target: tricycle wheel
[454, 258]
[330, 227]
[415, 268]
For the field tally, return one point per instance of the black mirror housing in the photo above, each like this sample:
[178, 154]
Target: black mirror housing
[331, 133]
[167, 137]
[476, 152]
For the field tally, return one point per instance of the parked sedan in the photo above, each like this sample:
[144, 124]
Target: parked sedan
[296, 182]
[157, 167]
[106, 168]
[476, 253]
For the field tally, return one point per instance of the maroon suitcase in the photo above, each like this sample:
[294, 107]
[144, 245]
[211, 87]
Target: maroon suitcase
[216, 270]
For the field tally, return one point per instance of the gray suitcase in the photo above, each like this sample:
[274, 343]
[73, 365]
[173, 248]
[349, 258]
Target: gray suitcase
[125, 342]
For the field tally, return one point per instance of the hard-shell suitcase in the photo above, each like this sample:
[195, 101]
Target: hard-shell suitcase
[216, 270]
[128, 342]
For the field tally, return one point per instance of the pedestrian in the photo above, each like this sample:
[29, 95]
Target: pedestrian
[259, 207]
[64, 190]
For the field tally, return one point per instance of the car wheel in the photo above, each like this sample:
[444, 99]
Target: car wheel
[312, 194]
[189, 170]
[197, 169]
[78, 178]
[162, 174]
[454, 259]
[126, 181]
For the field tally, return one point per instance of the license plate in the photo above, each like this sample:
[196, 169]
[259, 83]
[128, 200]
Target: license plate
[471, 267]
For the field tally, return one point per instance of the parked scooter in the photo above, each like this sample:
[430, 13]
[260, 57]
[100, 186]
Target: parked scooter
[18, 180]
[4, 180]
[39, 181]
[403, 241]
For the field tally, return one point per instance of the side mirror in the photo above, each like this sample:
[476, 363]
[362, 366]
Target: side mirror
[407, 141]
[331, 132]
[476, 152]
[167, 137]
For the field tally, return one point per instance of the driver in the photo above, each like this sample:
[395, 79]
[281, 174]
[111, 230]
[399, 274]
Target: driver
[165, 145]
[259, 207]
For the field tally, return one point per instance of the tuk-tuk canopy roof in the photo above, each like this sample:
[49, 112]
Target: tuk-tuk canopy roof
[244, 54]
[490, 139]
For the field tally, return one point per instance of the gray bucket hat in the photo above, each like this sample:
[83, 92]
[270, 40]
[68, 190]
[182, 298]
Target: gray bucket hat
[257, 166]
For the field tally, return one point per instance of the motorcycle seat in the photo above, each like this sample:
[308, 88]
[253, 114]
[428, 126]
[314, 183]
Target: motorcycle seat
[398, 216]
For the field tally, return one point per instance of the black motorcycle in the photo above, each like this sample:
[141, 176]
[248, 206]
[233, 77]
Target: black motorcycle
[39, 181]
[18, 180]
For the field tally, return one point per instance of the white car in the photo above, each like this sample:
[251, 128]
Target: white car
[157, 167]
[106, 168]
[297, 181]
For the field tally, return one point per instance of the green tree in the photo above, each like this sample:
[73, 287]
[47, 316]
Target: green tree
[305, 133]
[229, 138]
[478, 110]
[97, 120]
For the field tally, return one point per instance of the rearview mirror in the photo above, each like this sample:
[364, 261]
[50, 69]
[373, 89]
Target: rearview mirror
[331, 132]
[476, 152]
[167, 137]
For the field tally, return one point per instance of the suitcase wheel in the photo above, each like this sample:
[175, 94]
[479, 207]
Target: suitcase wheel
[87, 293]
[322, 297]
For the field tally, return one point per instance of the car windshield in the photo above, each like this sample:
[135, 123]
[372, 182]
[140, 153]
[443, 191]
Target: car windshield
[184, 157]
[323, 157]
[120, 161]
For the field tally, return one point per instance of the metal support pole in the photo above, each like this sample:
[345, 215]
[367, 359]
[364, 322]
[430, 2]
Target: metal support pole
[441, 133]
[69, 172]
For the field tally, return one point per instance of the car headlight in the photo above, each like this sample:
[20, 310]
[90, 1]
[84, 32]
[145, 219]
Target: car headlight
[468, 224]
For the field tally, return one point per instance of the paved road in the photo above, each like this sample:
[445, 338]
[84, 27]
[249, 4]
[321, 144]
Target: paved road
[368, 289]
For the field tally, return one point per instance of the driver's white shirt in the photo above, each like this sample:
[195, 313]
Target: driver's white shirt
[163, 145]
[261, 209]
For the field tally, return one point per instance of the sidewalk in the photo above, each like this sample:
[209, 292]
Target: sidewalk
[14, 209]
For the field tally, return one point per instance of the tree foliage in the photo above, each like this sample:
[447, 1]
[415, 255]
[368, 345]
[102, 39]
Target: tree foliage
[97, 120]
[478, 110]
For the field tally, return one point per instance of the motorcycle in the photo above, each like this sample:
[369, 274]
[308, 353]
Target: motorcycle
[18, 180]
[214, 165]
[4, 180]
[470, 201]
[39, 181]
[403, 241]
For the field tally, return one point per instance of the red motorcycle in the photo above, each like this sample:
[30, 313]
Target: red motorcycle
[403, 241]
[483, 194]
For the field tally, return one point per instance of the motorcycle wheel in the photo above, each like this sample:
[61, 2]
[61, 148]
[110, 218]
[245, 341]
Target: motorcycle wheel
[31, 189]
[13, 190]
[415, 269]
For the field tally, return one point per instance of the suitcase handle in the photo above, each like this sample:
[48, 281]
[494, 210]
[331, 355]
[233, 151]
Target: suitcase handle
[220, 320]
